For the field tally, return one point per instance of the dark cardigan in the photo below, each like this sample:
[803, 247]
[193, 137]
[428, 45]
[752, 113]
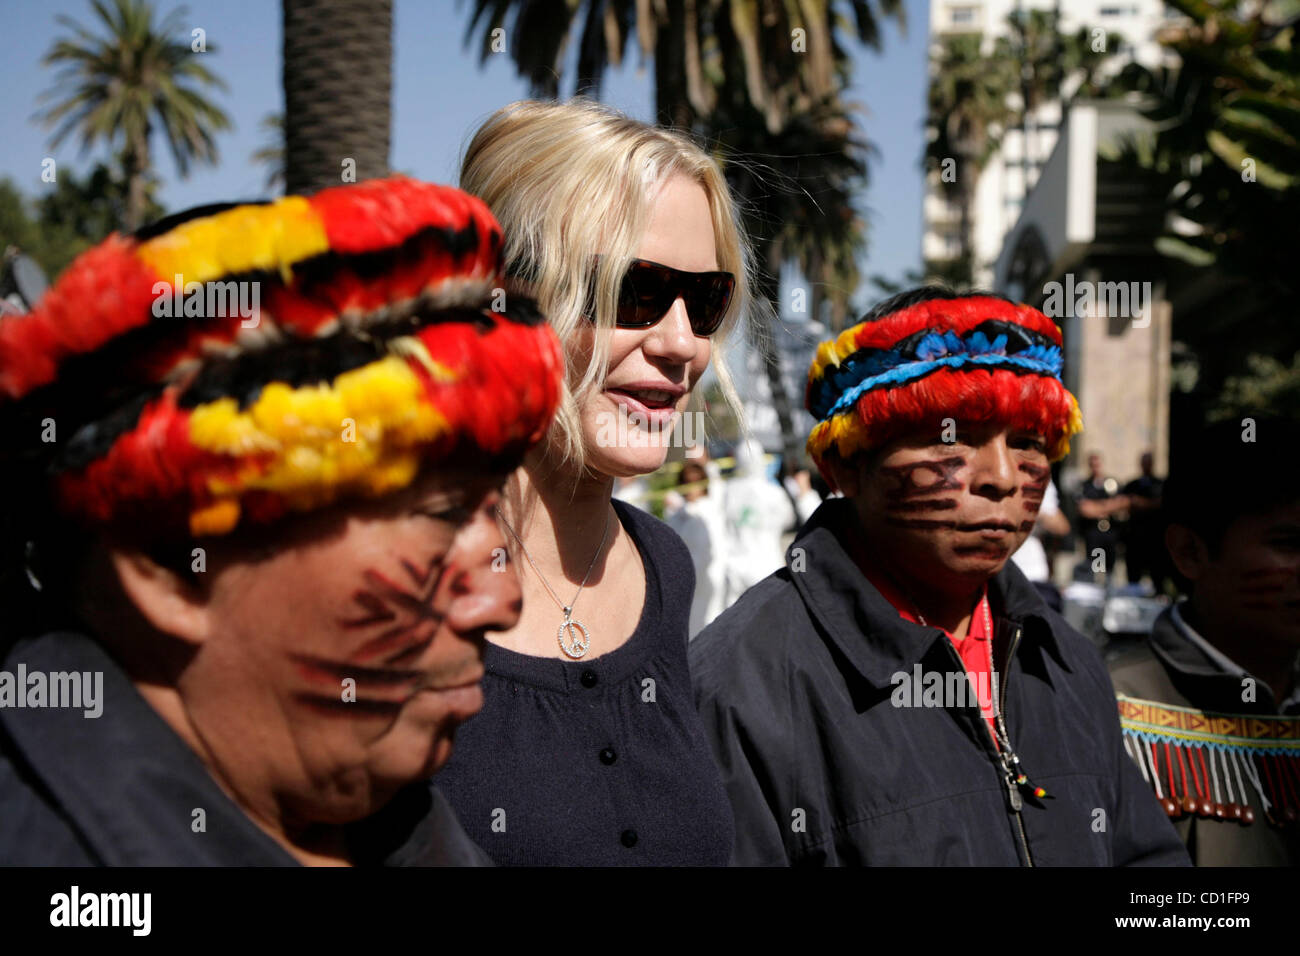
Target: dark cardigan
[597, 762]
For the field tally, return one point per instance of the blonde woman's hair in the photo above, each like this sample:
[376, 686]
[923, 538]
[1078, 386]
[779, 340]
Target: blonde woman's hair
[575, 179]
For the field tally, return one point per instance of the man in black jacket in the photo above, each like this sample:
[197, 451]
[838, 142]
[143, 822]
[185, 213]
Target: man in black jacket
[261, 565]
[899, 693]
[1215, 687]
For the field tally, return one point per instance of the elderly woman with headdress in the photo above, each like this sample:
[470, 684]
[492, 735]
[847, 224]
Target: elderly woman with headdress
[259, 540]
[589, 750]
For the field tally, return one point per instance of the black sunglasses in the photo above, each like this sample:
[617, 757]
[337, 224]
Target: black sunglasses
[649, 289]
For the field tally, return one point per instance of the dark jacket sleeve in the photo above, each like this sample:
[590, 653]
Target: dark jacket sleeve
[1141, 833]
[740, 695]
[758, 830]
[33, 830]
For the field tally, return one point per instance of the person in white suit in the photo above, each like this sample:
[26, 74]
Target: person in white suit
[758, 513]
[698, 519]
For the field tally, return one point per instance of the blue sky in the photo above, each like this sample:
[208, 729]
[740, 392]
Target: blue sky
[440, 95]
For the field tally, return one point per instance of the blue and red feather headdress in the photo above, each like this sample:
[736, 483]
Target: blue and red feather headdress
[970, 358]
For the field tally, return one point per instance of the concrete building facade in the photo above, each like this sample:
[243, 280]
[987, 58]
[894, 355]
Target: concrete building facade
[1008, 177]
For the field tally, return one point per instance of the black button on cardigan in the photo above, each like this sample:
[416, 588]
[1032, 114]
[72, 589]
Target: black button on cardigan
[522, 778]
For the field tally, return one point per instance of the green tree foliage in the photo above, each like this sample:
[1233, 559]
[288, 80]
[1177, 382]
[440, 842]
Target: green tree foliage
[1268, 387]
[271, 154]
[17, 228]
[74, 215]
[1228, 140]
[980, 88]
[785, 56]
[967, 113]
[1225, 155]
[129, 81]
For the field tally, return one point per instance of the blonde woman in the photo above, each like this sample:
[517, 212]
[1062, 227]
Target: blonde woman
[588, 750]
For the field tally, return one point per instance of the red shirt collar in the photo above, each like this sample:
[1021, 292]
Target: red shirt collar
[908, 611]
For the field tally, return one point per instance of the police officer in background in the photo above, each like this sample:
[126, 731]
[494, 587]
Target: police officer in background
[1144, 550]
[1100, 506]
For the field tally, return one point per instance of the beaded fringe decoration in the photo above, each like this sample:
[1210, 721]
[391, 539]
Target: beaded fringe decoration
[1206, 764]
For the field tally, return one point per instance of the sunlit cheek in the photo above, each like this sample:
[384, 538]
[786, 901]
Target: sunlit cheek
[703, 354]
[623, 343]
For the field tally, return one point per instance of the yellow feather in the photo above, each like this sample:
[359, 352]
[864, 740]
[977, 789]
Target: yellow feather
[243, 239]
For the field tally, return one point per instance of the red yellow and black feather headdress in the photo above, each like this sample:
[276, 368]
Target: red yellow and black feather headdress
[236, 363]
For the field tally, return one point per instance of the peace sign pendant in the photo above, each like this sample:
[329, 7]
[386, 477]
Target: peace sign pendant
[576, 646]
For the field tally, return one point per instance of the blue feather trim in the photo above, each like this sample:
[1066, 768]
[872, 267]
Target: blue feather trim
[1036, 360]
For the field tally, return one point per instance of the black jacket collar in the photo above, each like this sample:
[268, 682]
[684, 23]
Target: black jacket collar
[126, 781]
[1202, 680]
[130, 785]
[847, 606]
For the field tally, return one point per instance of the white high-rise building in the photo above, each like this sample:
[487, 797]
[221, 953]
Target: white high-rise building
[1009, 174]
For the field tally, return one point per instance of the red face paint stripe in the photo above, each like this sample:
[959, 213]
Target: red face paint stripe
[410, 621]
[905, 484]
[323, 670]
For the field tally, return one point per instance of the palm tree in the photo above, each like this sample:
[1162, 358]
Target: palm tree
[967, 113]
[1034, 47]
[970, 105]
[1225, 155]
[338, 84]
[1045, 59]
[795, 189]
[782, 46]
[120, 86]
[778, 101]
[271, 155]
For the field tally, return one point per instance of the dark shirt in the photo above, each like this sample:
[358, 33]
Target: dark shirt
[1145, 486]
[121, 789]
[1093, 490]
[600, 761]
[1145, 520]
[825, 765]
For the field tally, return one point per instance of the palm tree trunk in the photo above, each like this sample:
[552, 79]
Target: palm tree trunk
[768, 291]
[672, 103]
[839, 313]
[1026, 127]
[338, 83]
[816, 279]
[965, 226]
[135, 161]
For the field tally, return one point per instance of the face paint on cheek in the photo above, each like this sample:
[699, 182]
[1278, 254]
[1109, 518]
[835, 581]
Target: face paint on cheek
[910, 500]
[1032, 491]
[397, 624]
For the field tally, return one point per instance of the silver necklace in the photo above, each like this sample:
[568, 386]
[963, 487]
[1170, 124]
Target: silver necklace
[576, 646]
